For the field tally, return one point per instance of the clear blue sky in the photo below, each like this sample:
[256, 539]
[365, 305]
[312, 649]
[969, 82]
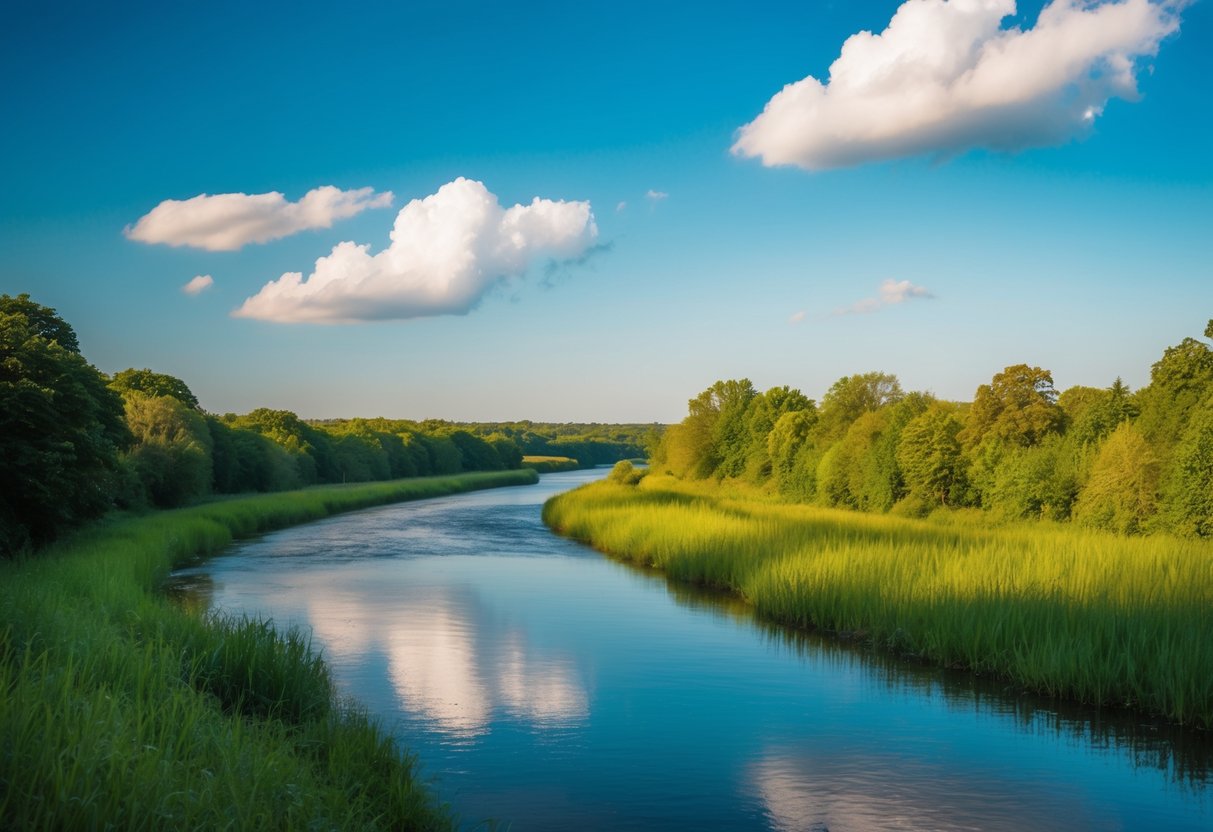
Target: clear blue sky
[1086, 252]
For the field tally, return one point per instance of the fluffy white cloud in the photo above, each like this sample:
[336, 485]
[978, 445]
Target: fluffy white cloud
[892, 292]
[446, 251]
[226, 222]
[945, 77]
[197, 284]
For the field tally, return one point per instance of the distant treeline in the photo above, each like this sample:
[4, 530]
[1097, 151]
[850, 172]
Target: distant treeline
[76, 442]
[1108, 458]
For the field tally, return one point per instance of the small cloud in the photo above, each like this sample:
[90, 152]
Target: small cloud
[446, 251]
[198, 284]
[227, 222]
[796, 318]
[622, 206]
[945, 77]
[655, 196]
[892, 292]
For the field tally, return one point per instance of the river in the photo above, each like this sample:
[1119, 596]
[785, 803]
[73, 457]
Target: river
[546, 687]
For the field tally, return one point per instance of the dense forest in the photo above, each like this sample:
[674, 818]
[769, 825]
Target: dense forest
[77, 443]
[1109, 458]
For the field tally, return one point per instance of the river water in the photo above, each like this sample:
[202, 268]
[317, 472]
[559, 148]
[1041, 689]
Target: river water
[545, 687]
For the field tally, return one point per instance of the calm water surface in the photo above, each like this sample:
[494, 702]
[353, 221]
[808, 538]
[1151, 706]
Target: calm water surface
[549, 688]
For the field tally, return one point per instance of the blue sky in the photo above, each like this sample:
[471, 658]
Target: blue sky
[1085, 250]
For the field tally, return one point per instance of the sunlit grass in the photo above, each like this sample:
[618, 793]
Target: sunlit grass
[120, 710]
[1082, 615]
[550, 464]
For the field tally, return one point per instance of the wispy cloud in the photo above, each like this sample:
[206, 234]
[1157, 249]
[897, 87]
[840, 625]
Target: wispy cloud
[796, 318]
[891, 293]
[447, 250]
[944, 77]
[655, 196]
[622, 206]
[198, 284]
[227, 222]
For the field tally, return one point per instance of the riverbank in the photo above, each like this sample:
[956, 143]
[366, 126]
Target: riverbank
[550, 464]
[1087, 616]
[122, 710]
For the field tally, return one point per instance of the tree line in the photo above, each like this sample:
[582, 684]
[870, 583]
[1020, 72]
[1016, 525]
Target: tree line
[76, 443]
[1108, 458]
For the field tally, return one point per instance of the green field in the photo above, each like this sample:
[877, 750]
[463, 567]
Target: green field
[1076, 614]
[119, 709]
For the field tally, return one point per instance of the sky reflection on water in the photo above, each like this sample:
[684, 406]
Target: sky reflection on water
[544, 685]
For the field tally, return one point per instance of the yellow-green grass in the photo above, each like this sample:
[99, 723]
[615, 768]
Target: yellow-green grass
[119, 709]
[1082, 615]
[549, 464]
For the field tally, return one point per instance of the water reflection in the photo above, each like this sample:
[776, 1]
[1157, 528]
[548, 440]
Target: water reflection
[1186, 756]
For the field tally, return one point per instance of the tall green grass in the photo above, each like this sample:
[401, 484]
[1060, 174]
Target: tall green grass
[1075, 614]
[118, 709]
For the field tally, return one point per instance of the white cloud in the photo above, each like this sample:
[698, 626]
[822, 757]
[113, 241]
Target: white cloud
[655, 196]
[796, 318]
[945, 77]
[892, 292]
[621, 206]
[447, 250]
[198, 283]
[226, 222]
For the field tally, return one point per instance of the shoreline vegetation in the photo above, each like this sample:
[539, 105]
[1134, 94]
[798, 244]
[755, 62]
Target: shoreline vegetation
[1068, 612]
[123, 710]
[550, 464]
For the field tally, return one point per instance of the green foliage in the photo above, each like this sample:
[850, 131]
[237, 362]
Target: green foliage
[787, 437]
[852, 396]
[1121, 493]
[310, 447]
[761, 415]
[154, 384]
[172, 450]
[624, 473]
[41, 321]
[61, 428]
[475, 453]
[930, 457]
[243, 460]
[1179, 381]
[1018, 406]
[1189, 483]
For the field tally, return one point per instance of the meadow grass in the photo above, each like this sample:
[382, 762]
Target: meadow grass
[550, 464]
[1070, 613]
[120, 709]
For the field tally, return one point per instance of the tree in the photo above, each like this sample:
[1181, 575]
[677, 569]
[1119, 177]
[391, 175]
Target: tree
[849, 398]
[761, 415]
[154, 384]
[930, 456]
[789, 434]
[172, 451]
[1178, 382]
[1121, 493]
[1188, 495]
[1018, 406]
[61, 428]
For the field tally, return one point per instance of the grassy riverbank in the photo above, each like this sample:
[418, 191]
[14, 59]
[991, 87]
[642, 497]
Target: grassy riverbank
[120, 710]
[1081, 615]
[550, 464]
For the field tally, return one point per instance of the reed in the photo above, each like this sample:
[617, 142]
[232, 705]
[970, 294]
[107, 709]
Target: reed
[1078, 614]
[119, 709]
